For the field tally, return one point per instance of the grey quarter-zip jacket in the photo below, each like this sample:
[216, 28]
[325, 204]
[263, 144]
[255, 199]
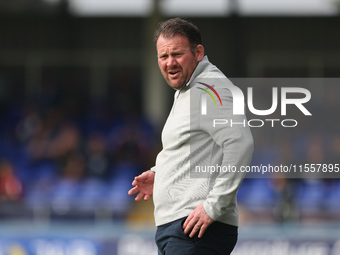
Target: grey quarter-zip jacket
[202, 161]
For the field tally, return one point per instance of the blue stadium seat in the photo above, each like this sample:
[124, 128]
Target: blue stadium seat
[310, 195]
[118, 201]
[92, 193]
[64, 196]
[332, 198]
[257, 195]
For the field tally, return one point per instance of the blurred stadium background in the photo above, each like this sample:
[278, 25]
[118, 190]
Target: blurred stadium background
[82, 105]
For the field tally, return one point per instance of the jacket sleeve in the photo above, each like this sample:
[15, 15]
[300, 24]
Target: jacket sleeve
[232, 135]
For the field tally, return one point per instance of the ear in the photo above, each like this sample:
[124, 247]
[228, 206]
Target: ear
[199, 52]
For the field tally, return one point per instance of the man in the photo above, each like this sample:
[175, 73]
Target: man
[194, 214]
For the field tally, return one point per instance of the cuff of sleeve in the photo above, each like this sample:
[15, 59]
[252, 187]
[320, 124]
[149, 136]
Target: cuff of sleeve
[153, 169]
[210, 211]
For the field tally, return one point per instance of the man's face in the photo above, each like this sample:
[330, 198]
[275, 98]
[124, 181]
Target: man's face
[176, 60]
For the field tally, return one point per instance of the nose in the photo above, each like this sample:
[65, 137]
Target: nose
[171, 61]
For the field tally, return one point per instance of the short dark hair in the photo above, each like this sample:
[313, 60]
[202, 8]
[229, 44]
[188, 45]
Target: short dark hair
[179, 26]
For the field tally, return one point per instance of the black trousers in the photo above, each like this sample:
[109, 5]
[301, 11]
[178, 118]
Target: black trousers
[218, 239]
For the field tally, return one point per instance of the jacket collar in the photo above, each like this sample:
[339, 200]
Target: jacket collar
[198, 70]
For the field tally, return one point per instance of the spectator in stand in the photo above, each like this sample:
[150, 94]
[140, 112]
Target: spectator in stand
[10, 185]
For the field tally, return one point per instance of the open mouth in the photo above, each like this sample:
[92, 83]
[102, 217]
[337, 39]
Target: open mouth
[174, 74]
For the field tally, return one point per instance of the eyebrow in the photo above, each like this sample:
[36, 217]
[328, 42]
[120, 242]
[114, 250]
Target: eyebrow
[175, 51]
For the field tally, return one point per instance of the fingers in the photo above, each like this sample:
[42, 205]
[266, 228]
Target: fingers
[147, 176]
[139, 196]
[187, 221]
[142, 177]
[138, 179]
[196, 227]
[203, 228]
[143, 185]
[192, 226]
[190, 223]
[197, 222]
[192, 219]
[133, 191]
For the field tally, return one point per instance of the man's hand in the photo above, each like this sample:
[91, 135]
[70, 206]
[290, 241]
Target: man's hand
[143, 185]
[198, 220]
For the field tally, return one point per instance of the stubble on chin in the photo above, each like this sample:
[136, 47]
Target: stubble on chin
[177, 86]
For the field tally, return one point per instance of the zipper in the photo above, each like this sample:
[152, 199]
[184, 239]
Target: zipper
[175, 102]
